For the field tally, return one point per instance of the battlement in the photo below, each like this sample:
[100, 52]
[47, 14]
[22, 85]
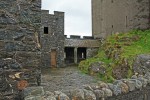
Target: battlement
[56, 13]
[78, 37]
[75, 36]
[88, 37]
[45, 11]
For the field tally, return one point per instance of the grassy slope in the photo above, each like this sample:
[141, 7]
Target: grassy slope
[118, 50]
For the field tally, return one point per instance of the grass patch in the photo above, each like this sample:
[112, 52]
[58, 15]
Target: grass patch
[118, 54]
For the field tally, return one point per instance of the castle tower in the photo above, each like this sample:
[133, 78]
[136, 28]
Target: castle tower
[52, 39]
[111, 16]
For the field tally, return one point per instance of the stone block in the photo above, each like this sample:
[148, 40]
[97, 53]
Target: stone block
[33, 91]
[28, 59]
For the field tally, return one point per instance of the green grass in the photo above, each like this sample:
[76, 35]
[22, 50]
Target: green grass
[126, 46]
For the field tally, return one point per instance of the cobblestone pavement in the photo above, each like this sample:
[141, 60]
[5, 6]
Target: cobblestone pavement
[63, 79]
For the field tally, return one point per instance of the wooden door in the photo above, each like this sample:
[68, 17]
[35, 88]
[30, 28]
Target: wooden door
[53, 58]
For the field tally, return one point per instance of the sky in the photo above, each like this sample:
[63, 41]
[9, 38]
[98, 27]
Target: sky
[77, 15]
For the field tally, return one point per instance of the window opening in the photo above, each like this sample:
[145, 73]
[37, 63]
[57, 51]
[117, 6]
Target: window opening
[126, 21]
[45, 30]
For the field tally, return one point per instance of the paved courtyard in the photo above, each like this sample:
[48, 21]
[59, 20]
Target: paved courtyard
[63, 79]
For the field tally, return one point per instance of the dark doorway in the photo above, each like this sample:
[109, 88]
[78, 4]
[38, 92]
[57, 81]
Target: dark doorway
[81, 54]
[69, 55]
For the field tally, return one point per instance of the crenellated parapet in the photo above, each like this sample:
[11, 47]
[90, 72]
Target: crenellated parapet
[82, 43]
[86, 41]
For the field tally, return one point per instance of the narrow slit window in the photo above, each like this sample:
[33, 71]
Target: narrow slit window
[45, 30]
[126, 21]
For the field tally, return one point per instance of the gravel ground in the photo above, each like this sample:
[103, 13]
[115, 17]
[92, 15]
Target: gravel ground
[62, 79]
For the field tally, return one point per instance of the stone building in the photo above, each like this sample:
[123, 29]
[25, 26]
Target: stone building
[111, 16]
[20, 22]
[78, 49]
[52, 39]
[58, 50]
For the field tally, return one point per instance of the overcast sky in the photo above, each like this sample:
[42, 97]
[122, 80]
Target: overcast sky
[77, 14]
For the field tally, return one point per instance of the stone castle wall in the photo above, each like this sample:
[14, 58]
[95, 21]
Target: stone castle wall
[54, 40]
[80, 94]
[20, 22]
[111, 16]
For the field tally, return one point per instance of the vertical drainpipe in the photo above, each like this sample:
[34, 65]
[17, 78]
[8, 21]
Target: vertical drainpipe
[75, 55]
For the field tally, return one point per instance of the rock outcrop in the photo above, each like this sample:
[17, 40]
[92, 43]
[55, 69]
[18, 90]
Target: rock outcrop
[142, 64]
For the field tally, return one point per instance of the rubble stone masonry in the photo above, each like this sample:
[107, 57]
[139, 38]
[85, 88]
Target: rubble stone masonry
[52, 38]
[20, 22]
